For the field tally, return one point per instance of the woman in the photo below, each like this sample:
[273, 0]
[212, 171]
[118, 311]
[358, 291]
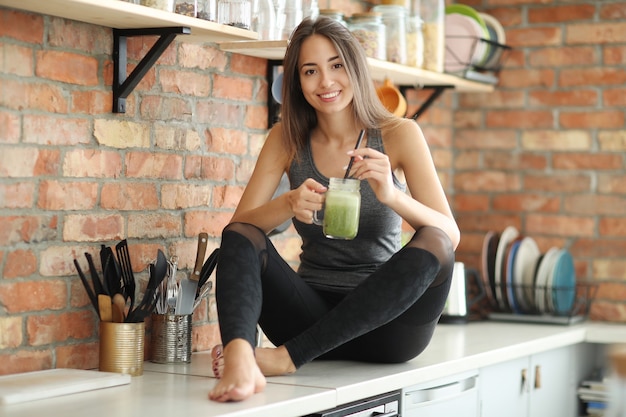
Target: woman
[365, 299]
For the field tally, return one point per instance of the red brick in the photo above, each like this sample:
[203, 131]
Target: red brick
[592, 76]
[517, 161]
[442, 158]
[519, 118]
[463, 119]
[556, 140]
[615, 11]
[232, 88]
[139, 46]
[473, 202]
[17, 195]
[585, 161]
[216, 169]
[204, 337]
[201, 56]
[563, 56]
[205, 221]
[20, 263]
[83, 163]
[607, 311]
[53, 328]
[592, 119]
[486, 181]
[18, 60]
[256, 117]
[91, 39]
[576, 98]
[154, 225]
[596, 33]
[185, 82]
[180, 195]
[10, 128]
[212, 112]
[535, 36]
[563, 226]
[593, 204]
[20, 94]
[165, 108]
[526, 202]
[11, 335]
[598, 248]
[527, 78]
[612, 183]
[67, 67]
[614, 55]
[177, 138]
[613, 226]
[46, 130]
[566, 13]
[25, 361]
[614, 97]
[557, 183]
[82, 356]
[129, 196]
[153, 165]
[13, 22]
[609, 269]
[485, 221]
[56, 195]
[92, 227]
[92, 102]
[227, 197]
[248, 65]
[26, 229]
[497, 99]
[466, 161]
[29, 296]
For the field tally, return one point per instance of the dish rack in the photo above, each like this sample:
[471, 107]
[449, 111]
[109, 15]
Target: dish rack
[486, 73]
[543, 311]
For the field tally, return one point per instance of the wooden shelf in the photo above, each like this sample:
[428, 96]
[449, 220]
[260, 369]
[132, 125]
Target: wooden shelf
[120, 14]
[398, 74]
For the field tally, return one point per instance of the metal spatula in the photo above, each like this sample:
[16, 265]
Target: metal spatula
[189, 285]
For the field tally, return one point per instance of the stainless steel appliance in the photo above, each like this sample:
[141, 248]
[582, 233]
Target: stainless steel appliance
[384, 405]
[458, 303]
[455, 395]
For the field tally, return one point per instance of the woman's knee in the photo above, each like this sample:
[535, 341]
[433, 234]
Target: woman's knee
[436, 241]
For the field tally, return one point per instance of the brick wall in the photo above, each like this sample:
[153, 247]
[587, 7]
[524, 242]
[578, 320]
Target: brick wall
[546, 152]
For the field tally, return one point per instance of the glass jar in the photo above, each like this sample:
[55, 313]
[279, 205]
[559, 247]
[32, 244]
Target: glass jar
[414, 42]
[369, 30]
[186, 7]
[237, 13]
[167, 5]
[264, 19]
[207, 10]
[394, 19]
[288, 16]
[334, 14]
[433, 15]
[342, 207]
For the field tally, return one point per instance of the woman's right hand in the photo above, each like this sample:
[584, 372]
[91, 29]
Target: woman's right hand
[306, 199]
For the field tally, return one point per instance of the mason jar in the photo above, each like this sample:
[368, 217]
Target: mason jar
[394, 19]
[237, 13]
[186, 7]
[369, 30]
[334, 14]
[414, 42]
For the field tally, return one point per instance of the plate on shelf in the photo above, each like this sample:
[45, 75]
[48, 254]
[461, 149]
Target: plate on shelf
[463, 45]
[510, 276]
[497, 34]
[471, 13]
[490, 246]
[563, 283]
[524, 272]
[509, 234]
[541, 283]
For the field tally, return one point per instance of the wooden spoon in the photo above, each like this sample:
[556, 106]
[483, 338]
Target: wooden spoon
[104, 307]
[119, 305]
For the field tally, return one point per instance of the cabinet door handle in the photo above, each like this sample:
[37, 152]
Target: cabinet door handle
[537, 376]
[524, 380]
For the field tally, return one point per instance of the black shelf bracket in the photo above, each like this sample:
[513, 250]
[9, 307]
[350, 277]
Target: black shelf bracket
[123, 85]
[434, 95]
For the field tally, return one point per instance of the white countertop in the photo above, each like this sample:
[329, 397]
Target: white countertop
[181, 390]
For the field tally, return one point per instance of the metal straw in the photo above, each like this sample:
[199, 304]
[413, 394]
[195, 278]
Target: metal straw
[358, 143]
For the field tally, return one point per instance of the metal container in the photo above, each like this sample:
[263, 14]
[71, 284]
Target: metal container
[171, 338]
[122, 347]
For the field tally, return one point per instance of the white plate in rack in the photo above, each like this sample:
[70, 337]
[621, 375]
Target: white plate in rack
[524, 275]
[508, 235]
[542, 291]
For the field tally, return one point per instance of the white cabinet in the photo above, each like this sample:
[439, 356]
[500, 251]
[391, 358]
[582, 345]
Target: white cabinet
[539, 385]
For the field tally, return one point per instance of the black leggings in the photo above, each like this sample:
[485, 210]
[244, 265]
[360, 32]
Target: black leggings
[390, 317]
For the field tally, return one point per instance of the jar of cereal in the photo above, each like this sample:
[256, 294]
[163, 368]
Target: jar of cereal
[369, 30]
[394, 19]
[333, 14]
[414, 42]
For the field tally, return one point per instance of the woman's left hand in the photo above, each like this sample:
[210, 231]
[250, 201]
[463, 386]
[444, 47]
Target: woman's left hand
[374, 166]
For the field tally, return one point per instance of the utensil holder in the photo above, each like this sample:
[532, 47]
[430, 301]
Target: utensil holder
[171, 338]
[122, 347]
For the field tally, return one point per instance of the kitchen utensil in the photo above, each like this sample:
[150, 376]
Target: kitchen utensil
[98, 285]
[105, 308]
[110, 270]
[202, 292]
[119, 307]
[90, 293]
[189, 285]
[172, 285]
[207, 270]
[158, 270]
[128, 277]
[392, 98]
[358, 143]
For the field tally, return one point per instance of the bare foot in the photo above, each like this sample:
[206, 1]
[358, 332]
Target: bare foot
[241, 376]
[271, 361]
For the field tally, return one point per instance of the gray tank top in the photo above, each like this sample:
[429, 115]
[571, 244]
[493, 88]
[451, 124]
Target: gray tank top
[340, 265]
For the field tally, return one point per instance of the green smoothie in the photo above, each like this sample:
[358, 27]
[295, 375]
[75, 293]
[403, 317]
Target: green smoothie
[341, 214]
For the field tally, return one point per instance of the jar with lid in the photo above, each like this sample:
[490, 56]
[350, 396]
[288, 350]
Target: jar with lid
[186, 7]
[414, 42]
[207, 10]
[264, 19]
[334, 14]
[433, 14]
[167, 5]
[394, 19]
[369, 30]
[237, 13]
[288, 16]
